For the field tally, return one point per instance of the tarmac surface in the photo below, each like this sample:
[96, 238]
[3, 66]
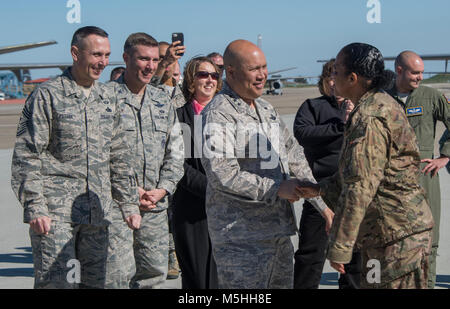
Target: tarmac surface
[16, 263]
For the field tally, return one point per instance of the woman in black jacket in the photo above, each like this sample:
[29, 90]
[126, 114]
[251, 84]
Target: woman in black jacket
[319, 128]
[193, 246]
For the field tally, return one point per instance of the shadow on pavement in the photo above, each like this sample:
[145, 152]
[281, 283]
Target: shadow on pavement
[329, 279]
[25, 257]
[443, 281]
[17, 272]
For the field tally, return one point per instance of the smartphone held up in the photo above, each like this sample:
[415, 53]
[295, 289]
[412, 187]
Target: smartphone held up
[178, 36]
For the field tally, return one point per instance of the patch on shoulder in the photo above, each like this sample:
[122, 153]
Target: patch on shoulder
[414, 111]
[448, 101]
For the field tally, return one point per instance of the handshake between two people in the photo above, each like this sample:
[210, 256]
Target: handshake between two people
[295, 189]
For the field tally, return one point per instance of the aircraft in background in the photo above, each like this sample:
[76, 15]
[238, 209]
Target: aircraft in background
[445, 57]
[12, 84]
[275, 80]
[21, 70]
[14, 48]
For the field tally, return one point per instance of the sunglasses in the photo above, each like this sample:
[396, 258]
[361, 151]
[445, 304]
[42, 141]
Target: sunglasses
[204, 74]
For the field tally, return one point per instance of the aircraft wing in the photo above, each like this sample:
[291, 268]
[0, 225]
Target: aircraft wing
[282, 70]
[289, 77]
[426, 57]
[29, 66]
[14, 48]
[444, 57]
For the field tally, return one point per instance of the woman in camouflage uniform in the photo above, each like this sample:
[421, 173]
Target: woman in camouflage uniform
[380, 205]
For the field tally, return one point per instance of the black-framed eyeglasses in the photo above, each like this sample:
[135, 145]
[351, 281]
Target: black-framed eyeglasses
[204, 74]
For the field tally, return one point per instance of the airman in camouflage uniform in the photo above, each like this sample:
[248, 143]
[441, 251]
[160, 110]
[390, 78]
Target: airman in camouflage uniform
[424, 106]
[70, 161]
[177, 97]
[158, 154]
[380, 205]
[169, 83]
[177, 100]
[250, 220]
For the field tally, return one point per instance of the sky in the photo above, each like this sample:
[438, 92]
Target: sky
[296, 33]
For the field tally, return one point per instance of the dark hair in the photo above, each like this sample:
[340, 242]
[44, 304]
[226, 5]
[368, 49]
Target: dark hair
[327, 71]
[83, 32]
[213, 55]
[139, 38]
[189, 76]
[367, 61]
[115, 70]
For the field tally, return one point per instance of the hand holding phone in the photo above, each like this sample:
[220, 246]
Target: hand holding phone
[178, 36]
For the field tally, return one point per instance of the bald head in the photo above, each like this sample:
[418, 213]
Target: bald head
[237, 51]
[406, 57]
[246, 69]
[409, 68]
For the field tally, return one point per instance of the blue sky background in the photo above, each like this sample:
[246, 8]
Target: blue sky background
[295, 32]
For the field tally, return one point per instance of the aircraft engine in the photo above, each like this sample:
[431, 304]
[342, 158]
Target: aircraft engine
[275, 87]
[277, 84]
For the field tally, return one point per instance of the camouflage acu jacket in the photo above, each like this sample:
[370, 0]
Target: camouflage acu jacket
[176, 95]
[248, 152]
[157, 142]
[71, 153]
[376, 190]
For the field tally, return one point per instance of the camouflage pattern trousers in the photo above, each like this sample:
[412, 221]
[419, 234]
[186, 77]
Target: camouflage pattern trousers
[264, 264]
[433, 190]
[403, 264]
[70, 256]
[120, 265]
[151, 251]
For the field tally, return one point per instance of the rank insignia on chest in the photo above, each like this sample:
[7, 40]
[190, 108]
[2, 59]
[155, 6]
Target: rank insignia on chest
[159, 105]
[414, 111]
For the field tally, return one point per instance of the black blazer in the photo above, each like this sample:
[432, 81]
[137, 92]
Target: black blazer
[319, 128]
[189, 198]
